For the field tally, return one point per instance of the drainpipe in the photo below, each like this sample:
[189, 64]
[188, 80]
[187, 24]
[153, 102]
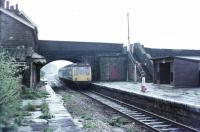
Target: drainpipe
[31, 75]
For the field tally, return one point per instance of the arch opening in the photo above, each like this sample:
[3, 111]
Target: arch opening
[49, 72]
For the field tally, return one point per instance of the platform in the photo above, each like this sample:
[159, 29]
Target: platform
[187, 96]
[181, 104]
[60, 122]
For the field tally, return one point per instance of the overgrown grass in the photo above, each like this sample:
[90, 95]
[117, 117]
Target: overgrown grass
[9, 91]
[29, 93]
[86, 117]
[89, 124]
[47, 130]
[29, 107]
[88, 121]
[66, 98]
[118, 121]
[45, 112]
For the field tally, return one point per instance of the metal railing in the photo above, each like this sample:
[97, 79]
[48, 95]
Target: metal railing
[134, 62]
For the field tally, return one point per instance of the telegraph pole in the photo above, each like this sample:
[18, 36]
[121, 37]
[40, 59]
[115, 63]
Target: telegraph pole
[128, 44]
[129, 50]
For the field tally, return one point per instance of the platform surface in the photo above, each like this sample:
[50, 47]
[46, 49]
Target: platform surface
[187, 96]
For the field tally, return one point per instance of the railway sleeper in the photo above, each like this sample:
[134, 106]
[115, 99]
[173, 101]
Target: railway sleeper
[154, 123]
[170, 129]
[138, 115]
[147, 120]
[159, 126]
[125, 111]
[133, 113]
[118, 107]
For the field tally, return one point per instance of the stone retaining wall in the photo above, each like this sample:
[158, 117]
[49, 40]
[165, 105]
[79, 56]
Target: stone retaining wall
[179, 112]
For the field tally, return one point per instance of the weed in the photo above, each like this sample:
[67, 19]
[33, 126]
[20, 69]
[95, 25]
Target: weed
[46, 116]
[118, 121]
[9, 90]
[86, 117]
[18, 120]
[89, 124]
[47, 130]
[66, 98]
[30, 107]
[29, 93]
[45, 112]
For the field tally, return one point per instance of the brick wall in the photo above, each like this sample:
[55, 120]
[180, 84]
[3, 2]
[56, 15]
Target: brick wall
[186, 73]
[56, 50]
[13, 33]
[113, 68]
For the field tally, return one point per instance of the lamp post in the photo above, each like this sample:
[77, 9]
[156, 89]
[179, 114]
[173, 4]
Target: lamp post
[129, 50]
[128, 46]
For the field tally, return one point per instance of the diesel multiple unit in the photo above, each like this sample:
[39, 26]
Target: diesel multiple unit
[79, 73]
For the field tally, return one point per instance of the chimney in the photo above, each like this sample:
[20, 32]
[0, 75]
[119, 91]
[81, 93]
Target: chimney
[7, 5]
[17, 8]
[12, 8]
[2, 3]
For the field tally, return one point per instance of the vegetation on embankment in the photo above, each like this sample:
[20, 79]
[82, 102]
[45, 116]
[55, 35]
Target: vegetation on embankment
[9, 91]
[12, 93]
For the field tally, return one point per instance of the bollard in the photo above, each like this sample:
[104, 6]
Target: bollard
[143, 88]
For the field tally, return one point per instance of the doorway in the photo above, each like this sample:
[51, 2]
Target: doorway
[164, 73]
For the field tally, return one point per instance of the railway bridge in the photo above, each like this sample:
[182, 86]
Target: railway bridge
[108, 61]
[76, 51]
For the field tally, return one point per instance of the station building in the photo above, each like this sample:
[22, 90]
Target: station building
[19, 38]
[178, 71]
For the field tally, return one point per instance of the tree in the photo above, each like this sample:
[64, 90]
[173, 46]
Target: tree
[9, 89]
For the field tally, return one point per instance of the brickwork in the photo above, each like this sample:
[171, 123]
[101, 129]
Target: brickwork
[14, 33]
[180, 73]
[74, 51]
[113, 68]
[185, 73]
[180, 112]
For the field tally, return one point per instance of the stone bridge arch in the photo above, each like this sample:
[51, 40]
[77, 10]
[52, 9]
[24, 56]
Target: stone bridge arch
[78, 52]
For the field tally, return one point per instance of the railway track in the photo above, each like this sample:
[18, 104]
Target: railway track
[150, 120]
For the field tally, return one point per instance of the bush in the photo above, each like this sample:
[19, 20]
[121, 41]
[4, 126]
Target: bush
[118, 121]
[9, 89]
[89, 124]
[29, 93]
[45, 112]
[29, 107]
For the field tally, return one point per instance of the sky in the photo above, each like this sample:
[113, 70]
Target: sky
[154, 23]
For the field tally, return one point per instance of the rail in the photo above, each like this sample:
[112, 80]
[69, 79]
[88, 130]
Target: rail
[152, 121]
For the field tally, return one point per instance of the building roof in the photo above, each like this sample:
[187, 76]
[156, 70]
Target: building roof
[154, 52]
[196, 58]
[38, 59]
[18, 18]
[189, 58]
[21, 55]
